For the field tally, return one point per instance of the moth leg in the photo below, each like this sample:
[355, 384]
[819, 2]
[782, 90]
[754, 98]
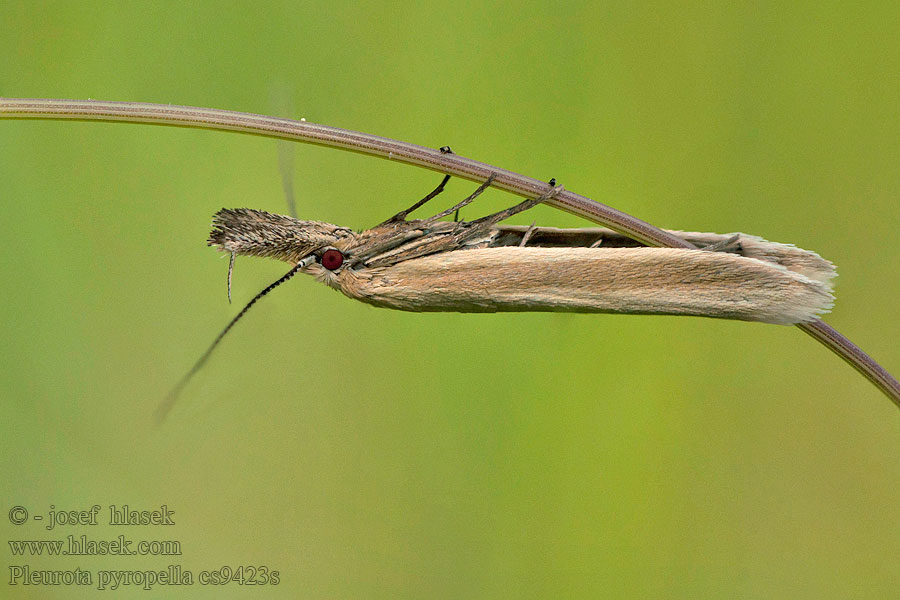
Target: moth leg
[401, 216]
[474, 195]
[523, 206]
[528, 233]
[732, 244]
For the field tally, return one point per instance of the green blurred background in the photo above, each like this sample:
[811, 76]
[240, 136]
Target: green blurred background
[368, 453]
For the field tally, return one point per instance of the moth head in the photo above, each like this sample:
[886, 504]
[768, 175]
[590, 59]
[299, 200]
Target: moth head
[247, 232]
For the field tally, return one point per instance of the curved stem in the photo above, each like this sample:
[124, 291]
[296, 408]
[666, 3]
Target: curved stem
[301, 131]
[855, 357]
[452, 164]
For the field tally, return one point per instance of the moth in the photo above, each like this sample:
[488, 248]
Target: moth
[481, 266]
[428, 265]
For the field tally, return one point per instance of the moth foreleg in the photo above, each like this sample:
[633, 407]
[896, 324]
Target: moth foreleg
[401, 216]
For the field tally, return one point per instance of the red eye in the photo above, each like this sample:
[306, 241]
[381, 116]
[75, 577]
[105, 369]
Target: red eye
[332, 259]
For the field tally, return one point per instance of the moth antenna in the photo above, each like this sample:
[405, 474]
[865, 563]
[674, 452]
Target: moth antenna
[230, 271]
[286, 167]
[281, 99]
[167, 404]
[474, 195]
